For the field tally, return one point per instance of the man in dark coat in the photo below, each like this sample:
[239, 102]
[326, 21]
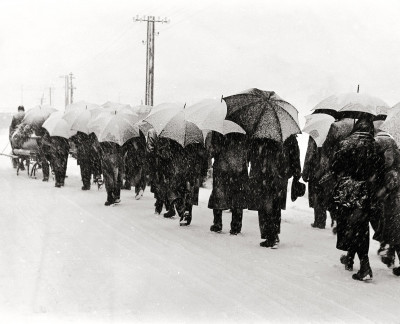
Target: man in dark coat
[388, 229]
[155, 169]
[112, 164]
[59, 150]
[338, 131]
[267, 183]
[16, 120]
[44, 156]
[134, 152]
[355, 162]
[311, 174]
[88, 157]
[230, 178]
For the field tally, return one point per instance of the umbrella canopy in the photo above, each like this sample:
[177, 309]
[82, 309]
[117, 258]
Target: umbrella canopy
[392, 122]
[208, 114]
[317, 126]
[169, 121]
[117, 128]
[37, 115]
[57, 126]
[353, 104]
[142, 110]
[81, 105]
[263, 114]
[79, 117]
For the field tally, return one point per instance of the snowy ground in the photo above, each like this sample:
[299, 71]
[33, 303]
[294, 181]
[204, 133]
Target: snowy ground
[66, 258]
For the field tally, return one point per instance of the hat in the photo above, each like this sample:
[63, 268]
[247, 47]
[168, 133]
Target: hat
[21, 108]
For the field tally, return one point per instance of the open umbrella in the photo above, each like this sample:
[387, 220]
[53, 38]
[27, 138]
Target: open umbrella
[81, 105]
[79, 117]
[37, 115]
[392, 122]
[57, 126]
[117, 128]
[317, 126]
[263, 114]
[353, 104]
[169, 121]
[208, 114]
[142, 110]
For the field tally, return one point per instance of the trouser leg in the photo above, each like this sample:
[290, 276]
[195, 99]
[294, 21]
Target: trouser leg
[85, 174]
[236, 223]
[217, 217]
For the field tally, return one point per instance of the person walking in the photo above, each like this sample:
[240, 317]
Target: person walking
[388, 229]
[112, 163]
[267, 185]
[312, 174]
[355, 162]
[87, 157]
[230, 178]
[59, 150]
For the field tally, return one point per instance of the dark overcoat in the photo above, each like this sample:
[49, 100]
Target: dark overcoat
[389, 224]
[59, 150]
[267, 177]
[312, 170]
[230, 171]
[355, 162]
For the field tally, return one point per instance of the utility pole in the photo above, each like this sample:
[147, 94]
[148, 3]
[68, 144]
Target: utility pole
[151, 20]
[66, 88]
[71, 88]
[50, 88]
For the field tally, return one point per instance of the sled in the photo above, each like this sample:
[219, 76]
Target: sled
[30, 157]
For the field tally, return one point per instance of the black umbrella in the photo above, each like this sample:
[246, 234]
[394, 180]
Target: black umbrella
[263, 114]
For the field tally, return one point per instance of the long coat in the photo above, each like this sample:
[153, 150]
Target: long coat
[291, 165]
[389, 225]
[338, 131]
[267, 178]
[134, 152]
[87, 151]
[59, 150]
[311, 170]
[16, 120]
[355, 162]
[230, 174]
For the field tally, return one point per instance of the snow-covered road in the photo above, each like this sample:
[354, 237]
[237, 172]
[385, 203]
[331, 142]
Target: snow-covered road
[65, 257]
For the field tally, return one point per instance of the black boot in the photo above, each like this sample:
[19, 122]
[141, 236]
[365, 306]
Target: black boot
[388, 256]
[365, 272]
[267, 243]
[171, 212]
[396, 271]
[347, 261]
[110, 199]
[158, 206]
[217, 226]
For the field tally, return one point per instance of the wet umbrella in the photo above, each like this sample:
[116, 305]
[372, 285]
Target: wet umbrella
[142, 110]
[353, 105]
[56, 125]
[169, 121]
[36, 116]
[263, 114]
[81, 105]
[392, 122]
[79, 117]
[317, 126]
[208, 114]
[117, 128]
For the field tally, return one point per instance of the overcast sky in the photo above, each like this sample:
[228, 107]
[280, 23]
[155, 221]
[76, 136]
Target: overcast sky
[303, 50]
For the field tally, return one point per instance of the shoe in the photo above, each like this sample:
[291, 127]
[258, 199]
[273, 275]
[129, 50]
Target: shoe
[275, 243]
[388, 260]
[216, 228]
[234, 232]
[317, 226]
[117, 200]
[158, 208]
[396, 271]
[45, 179]
[108, 203]
[170, 213]
[139, 194]
[57, 185]
[348, 263]
[266, 243]
[85, 188]
[186, 219]
[363, 275]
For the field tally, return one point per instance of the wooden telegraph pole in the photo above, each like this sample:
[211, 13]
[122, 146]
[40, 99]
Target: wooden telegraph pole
[151, 20]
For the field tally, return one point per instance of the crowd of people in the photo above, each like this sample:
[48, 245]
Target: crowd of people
[355, 176]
